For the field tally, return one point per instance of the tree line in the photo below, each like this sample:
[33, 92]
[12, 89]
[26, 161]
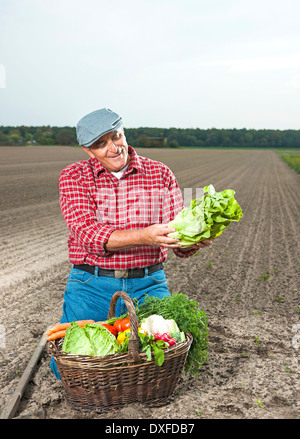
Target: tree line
[158, 137]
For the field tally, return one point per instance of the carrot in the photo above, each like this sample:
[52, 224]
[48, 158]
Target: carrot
[64, 326]
[55, 335]
[58, 328]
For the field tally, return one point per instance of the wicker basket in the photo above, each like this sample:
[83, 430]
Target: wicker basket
[101, 383]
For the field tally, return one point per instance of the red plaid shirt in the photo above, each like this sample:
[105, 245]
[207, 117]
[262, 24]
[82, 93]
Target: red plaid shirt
[94, 203]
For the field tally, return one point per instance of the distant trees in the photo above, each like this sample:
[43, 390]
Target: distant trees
[65, 136]
[143, 140]
[42, 135]
[139, 137]
[158, 137]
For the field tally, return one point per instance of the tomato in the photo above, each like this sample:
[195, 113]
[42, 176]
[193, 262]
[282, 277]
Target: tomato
[118, 325]
[110, 328]
[125, 324]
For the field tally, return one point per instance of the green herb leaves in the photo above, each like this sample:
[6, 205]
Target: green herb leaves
[148, 344]
[189, 318]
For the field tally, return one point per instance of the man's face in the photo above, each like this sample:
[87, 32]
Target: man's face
[111, 150]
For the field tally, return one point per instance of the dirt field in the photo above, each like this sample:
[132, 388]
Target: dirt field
[247, 282]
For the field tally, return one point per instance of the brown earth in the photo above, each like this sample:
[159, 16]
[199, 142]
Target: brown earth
[247, 282]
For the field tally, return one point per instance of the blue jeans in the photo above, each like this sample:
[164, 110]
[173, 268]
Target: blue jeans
[88, 296]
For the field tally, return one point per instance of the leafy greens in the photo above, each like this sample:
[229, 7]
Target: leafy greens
[92, 339]
[206, 217]
[188, 316]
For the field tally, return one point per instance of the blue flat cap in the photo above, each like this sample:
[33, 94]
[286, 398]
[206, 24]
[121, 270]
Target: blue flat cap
[94, 125]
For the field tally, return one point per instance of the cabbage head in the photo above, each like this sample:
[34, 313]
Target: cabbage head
[92, 339]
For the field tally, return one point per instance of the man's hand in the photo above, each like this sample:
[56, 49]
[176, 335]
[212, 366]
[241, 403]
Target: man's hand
[156, 235]
[151, 235]
[198, 245]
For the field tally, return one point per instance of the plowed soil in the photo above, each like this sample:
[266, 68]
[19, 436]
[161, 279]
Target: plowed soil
[247, 281]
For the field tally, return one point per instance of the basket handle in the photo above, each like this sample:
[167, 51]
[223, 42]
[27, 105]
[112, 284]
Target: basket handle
[133, 345]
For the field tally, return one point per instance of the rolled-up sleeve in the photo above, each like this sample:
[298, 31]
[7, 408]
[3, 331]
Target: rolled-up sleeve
[80, 213]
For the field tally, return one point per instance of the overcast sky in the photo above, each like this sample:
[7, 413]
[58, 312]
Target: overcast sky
[164, 63]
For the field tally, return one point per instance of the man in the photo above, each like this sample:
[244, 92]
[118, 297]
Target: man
[117, 206]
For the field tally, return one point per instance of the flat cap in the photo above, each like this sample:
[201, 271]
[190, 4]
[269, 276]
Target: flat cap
[94, 125]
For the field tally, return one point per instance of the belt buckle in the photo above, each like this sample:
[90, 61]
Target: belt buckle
[121, 274]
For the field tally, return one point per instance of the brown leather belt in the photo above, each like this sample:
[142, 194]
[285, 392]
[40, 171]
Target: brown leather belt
[120, 274]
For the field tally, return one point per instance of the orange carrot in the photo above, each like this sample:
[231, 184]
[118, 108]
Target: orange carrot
[55, 335]
[64, 326]
[57, 328]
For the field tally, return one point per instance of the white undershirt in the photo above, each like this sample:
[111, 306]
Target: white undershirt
[121, 172]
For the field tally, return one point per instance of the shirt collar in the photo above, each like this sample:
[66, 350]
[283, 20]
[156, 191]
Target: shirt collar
[135, 163]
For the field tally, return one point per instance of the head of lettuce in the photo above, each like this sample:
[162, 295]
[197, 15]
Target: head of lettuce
[206, 217]
[92, 339]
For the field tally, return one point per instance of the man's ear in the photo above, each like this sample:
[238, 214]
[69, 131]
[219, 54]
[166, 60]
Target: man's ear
[89, 152]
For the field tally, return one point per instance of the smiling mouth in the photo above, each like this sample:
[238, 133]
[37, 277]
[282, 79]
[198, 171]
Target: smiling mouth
[115, 156]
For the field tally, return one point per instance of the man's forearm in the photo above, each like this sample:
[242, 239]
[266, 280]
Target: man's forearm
[156, 235]
[121, 239]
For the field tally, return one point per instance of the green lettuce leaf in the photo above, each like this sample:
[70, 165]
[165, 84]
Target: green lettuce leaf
[76, 341]
[92, 339]
[206, 217]
[102, 340]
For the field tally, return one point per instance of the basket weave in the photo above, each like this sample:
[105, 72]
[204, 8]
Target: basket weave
[101, 383]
